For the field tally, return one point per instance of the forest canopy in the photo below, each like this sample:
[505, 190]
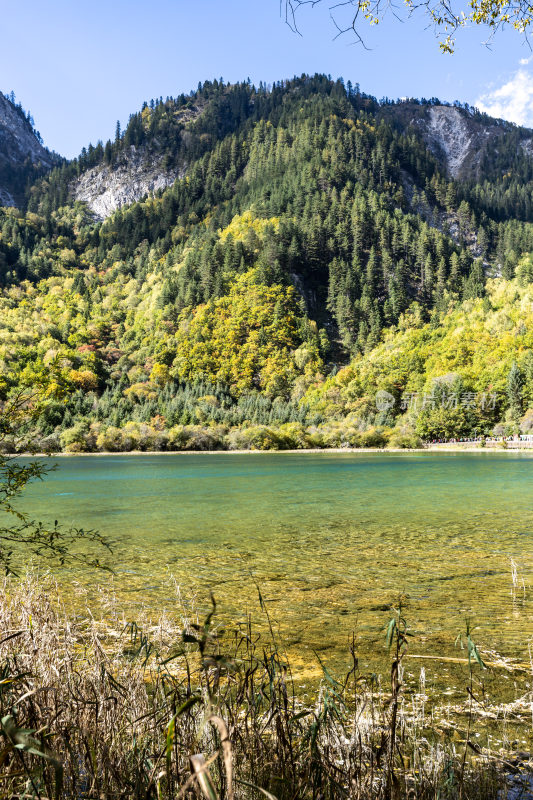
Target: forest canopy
[312, 252]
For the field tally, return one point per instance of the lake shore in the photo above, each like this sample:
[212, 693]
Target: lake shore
[444, 448]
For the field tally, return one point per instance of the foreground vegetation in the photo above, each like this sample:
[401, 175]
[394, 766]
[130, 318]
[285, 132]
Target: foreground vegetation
[102, 709]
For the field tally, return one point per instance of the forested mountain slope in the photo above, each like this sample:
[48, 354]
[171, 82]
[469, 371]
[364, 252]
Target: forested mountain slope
[469, 369]
[291, 226]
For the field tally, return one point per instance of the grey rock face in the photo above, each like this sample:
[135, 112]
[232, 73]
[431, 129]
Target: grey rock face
[460, 139]
[451, 133]
[527, 147]
[449, 130]
[18, 145]
[17, 139]
[106, 188]
[6, 198]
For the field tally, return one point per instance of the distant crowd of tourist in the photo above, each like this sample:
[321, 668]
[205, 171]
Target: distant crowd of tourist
[485, 439]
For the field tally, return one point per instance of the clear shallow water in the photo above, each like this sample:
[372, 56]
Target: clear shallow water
[330, 539]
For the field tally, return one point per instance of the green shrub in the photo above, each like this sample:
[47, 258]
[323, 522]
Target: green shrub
[196, 437]
[405, 441]
[374, 437]
[75, 439]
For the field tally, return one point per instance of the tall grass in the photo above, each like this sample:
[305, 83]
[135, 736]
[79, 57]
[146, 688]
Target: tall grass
[181, 709]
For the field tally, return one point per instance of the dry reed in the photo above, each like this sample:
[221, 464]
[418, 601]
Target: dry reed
[178, 709]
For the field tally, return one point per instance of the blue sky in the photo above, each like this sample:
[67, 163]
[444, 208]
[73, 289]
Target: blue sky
[79, 66]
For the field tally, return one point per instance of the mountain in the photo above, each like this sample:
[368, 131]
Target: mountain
[22, 155]
[154, 150]
[212, 268]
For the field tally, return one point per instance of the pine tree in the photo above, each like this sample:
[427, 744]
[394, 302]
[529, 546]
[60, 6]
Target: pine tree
[515, 384]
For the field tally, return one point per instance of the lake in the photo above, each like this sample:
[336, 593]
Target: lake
[328, 539]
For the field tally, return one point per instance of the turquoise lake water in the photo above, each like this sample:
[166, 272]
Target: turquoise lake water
[330, 539]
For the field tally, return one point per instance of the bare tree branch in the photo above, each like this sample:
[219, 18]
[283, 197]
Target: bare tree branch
[21, 537]
[443, 16]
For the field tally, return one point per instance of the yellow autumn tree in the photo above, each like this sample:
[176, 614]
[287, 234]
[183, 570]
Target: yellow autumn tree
[247, 339]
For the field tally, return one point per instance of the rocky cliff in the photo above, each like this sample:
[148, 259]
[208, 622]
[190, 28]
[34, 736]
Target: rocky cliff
[22, 156]
[107, 187]
[460, 139]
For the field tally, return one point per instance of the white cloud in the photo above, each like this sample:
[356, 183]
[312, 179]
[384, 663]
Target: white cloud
[525, 61]
[512, 101]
